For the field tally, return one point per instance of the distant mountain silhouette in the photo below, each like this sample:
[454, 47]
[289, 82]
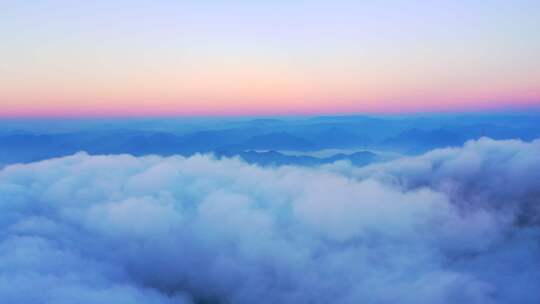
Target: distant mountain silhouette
[358, 158]
[274, 158]
[21, 142]
[338, 137]
[418, 141]
[276, 141]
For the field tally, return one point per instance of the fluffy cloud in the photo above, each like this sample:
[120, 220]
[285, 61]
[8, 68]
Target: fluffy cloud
[453, 225]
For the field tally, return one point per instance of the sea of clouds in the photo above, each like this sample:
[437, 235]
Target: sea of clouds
[459, 225]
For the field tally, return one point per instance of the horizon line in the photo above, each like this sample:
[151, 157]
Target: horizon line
[521, 111]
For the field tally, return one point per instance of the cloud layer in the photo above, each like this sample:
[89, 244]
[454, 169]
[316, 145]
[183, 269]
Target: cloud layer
[450, 226]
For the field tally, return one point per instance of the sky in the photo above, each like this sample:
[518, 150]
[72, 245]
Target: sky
[148, 58]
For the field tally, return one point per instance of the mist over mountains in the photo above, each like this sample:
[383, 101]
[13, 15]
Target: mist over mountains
[20, 142]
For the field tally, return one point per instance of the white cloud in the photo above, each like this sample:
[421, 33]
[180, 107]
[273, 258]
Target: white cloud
[453, 225]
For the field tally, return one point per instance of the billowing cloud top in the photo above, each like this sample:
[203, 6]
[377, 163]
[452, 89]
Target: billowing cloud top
[451, 226]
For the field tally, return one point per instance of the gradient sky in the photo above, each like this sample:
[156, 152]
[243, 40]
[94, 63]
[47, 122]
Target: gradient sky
[125, 58]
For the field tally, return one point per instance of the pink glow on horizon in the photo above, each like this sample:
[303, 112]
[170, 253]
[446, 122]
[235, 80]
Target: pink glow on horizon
[209, 108]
